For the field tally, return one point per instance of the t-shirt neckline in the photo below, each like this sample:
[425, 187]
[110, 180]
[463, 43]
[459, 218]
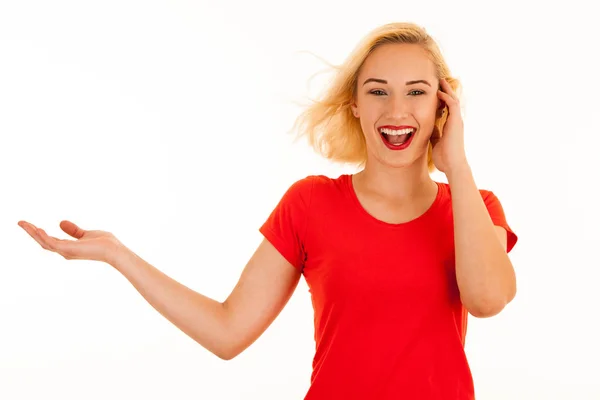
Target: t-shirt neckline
[430, 210]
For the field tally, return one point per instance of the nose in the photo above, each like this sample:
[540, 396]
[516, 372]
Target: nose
[398, 107]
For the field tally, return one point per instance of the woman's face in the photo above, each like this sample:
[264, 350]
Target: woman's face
[396, 101]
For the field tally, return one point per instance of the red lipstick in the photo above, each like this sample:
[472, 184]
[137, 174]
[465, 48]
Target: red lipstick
[394, 127]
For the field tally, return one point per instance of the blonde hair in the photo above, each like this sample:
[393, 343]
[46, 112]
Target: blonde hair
[329, 124]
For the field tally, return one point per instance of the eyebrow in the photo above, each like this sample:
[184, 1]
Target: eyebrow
[407, 83]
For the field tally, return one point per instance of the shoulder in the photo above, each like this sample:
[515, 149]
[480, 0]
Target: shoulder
[315, 191]
[301, 190]
[315, 183]
[486, 194]
[490, 200]
[310, 180]
[303, 187]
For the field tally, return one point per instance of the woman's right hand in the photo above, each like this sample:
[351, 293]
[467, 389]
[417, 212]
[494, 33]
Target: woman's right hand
[224, 328]
[90, 245]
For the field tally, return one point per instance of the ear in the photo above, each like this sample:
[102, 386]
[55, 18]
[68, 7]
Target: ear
[440, 109]
[354, 109]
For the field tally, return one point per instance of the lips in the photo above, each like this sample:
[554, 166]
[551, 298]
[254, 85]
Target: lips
[397, 137]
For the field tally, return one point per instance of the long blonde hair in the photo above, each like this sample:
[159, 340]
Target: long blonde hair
[330, 127]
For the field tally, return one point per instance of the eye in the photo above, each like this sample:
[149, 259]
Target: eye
[377, 92]
[416, 92]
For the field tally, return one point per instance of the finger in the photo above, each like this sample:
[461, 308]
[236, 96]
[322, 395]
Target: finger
[33, 232]
[60, 246]
[25, 225]
[37, 235]
[446, 88]
[71, 229]
[46, 241]
[449, 100]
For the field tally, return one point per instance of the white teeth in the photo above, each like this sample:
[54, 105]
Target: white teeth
[397, 132]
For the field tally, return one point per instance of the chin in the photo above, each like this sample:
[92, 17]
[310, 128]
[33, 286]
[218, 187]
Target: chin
[401, 164]
[413, 155]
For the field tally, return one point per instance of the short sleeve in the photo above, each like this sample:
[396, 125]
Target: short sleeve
[285, 228]
[496, 212]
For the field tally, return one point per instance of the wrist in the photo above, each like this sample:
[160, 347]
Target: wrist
[459, 171]
[117, 254]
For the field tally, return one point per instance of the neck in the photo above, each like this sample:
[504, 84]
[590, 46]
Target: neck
[402, 183]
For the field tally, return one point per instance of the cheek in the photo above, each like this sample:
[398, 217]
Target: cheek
[370, 108]
[427, 111]
[370, 114]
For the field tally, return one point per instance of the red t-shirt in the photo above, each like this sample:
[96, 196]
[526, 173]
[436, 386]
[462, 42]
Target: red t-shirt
[389, 323]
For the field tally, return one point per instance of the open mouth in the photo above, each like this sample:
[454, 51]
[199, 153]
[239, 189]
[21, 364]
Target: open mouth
[397, 139]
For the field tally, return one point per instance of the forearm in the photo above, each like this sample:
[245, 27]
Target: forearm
[484, 273]
[200, 317]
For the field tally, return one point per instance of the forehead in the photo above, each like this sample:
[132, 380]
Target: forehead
[398, 62]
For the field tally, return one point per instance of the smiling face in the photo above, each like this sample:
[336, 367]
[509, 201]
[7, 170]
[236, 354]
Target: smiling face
[397, 104]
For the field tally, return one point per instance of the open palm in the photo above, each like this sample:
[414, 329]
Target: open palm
[90, 245]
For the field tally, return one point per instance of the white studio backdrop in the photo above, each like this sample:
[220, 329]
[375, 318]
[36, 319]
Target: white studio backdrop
[165, 123]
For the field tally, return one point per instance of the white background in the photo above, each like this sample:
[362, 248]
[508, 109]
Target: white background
[166, 123]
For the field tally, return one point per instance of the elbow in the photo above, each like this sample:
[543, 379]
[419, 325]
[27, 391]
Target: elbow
[486, 307]
[222, 348]
[225, 356]
[225, 353]
[485, 310]
[225, 347]
[229, 350]
[488, 303]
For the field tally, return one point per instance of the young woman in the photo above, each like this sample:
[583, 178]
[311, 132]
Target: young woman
[394, 260]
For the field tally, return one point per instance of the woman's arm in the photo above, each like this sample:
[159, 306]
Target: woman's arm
[484, 272]
[224, 328]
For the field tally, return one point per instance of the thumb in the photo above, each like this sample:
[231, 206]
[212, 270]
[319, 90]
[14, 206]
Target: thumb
[71, 229]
